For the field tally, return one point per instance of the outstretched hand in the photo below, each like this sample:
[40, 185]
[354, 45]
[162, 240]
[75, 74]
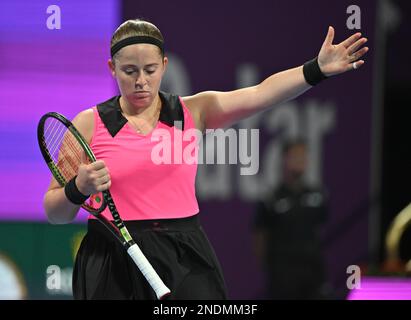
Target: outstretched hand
[338, 58]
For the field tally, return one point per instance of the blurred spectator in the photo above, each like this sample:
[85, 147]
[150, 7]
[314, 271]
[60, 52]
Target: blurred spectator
[286, 232]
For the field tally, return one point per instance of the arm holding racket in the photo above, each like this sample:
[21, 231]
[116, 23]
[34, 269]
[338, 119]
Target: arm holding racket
[91, 178]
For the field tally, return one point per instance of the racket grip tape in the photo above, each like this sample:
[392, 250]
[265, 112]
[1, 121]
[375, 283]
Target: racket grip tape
[148, 271]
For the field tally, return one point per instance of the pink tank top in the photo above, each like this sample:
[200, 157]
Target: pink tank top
[142, 189]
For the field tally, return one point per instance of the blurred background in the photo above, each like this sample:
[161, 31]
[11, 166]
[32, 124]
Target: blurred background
[354, 127]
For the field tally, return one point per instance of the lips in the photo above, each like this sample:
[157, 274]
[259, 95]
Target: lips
[141, 94]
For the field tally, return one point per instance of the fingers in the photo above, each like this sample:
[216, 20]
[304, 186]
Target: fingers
[330, 35]
[356, 45]
[348, 42]
[97, 184]
[355, 65]
[358, 54]
[94, 177]
[98, 168]
[104, 186]
[99, 180]
[97, 165]
[354, 53]
[99, 176]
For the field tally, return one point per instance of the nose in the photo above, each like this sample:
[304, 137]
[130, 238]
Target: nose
[141, 80]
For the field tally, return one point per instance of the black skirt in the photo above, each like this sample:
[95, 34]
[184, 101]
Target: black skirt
[178, 250]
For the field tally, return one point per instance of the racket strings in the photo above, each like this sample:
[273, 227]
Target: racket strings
[63, 148]
[54, 137]
[72, 153]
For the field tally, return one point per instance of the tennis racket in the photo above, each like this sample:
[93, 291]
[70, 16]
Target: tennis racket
[63, 148]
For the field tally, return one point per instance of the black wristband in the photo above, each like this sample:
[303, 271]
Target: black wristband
[312, 72]
[73, 194]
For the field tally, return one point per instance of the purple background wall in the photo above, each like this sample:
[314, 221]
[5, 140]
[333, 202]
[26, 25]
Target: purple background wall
[46, 70]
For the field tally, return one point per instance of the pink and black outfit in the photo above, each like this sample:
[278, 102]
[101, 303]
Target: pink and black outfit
[158, 204]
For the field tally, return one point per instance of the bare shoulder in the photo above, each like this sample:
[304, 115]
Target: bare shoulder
[84, 122]
[197, 104]
[200, 99]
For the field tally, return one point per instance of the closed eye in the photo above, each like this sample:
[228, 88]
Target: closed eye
[129, 72]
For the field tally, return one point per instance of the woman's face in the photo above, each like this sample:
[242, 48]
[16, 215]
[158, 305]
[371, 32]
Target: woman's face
[138, 69]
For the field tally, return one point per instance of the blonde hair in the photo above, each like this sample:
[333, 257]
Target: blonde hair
[136, 27]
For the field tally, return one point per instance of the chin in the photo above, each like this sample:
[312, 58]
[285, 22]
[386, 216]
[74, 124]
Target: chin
[140, 102]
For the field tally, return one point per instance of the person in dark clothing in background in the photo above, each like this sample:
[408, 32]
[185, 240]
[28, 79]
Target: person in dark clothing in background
[286, 232]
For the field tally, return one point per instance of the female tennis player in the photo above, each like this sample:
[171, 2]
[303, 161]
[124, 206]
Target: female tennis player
[158, 202]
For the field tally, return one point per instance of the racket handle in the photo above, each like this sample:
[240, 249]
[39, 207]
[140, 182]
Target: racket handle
[148, 271]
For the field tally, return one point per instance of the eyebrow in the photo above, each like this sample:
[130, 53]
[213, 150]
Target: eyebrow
[133, 65]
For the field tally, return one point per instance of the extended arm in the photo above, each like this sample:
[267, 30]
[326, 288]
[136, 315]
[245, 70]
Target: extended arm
[212, 109]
